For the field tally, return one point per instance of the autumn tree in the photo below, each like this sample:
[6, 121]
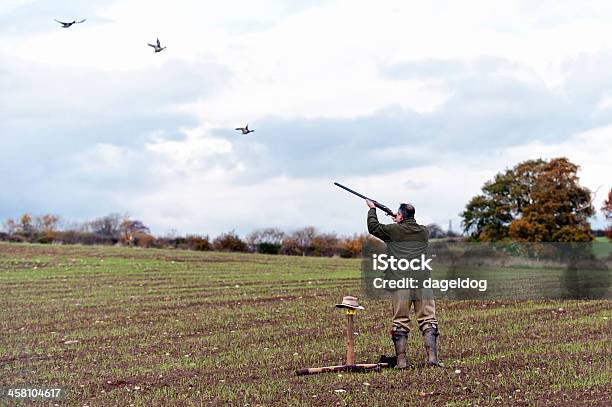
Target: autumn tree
[351, 246]
[299, 242]
[107, 229]
[134, 232]
[354, 246]
[25, 225]
[46, 226]
[308, 242]
[229, 242]
[537, 200]
[324, 244]
[196, 242]
[46, 223]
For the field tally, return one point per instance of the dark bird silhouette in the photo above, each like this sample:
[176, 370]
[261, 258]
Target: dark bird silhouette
[67, 25]
[157, 47]
[245, 130]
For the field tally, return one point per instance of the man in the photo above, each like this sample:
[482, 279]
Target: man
[407, 240]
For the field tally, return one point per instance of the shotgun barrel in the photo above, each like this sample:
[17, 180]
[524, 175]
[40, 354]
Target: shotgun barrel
[380, 206]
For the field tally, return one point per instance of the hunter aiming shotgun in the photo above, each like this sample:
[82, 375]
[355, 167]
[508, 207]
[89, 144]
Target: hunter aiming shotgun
[380, 206]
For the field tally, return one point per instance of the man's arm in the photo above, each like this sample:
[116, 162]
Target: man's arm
[374, 226]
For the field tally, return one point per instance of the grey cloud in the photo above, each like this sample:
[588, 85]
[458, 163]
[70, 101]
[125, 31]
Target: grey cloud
[78, 107]
[306, 148]
[493, 107]
[49, 117]
[489, 109]
[64, 97]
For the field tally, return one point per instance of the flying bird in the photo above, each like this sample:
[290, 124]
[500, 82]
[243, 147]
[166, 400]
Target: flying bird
[245, 130]
[158, 47]
[67, 25]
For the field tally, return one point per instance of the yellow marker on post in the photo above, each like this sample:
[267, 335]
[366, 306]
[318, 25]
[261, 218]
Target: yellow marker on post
[350, 307]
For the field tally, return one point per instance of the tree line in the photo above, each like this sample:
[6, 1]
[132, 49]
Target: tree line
[115, 229]
[535, 201]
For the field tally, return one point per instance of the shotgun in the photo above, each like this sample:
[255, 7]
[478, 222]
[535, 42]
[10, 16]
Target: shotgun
[380, 206]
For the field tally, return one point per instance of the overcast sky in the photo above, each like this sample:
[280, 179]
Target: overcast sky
[405, 101]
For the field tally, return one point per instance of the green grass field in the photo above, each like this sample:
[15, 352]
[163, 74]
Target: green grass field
[121, 326]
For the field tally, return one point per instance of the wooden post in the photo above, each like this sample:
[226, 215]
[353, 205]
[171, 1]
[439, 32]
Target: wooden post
[350, 338]
[350, 365]
[363, 367]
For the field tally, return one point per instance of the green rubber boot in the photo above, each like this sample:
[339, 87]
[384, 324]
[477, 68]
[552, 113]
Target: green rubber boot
[429, 339]
[400, 338]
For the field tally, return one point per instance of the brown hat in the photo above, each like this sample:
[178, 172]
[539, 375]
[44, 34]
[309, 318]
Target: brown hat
[349, 302]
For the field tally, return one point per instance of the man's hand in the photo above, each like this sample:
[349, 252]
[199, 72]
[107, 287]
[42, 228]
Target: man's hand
[370, 204]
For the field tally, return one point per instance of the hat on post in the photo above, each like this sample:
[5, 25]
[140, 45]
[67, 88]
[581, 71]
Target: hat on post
[349, 302]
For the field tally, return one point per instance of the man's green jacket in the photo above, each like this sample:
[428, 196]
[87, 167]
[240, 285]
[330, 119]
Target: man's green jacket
[405, 240]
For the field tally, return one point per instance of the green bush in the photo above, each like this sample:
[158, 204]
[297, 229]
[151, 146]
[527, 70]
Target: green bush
[268, 248]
